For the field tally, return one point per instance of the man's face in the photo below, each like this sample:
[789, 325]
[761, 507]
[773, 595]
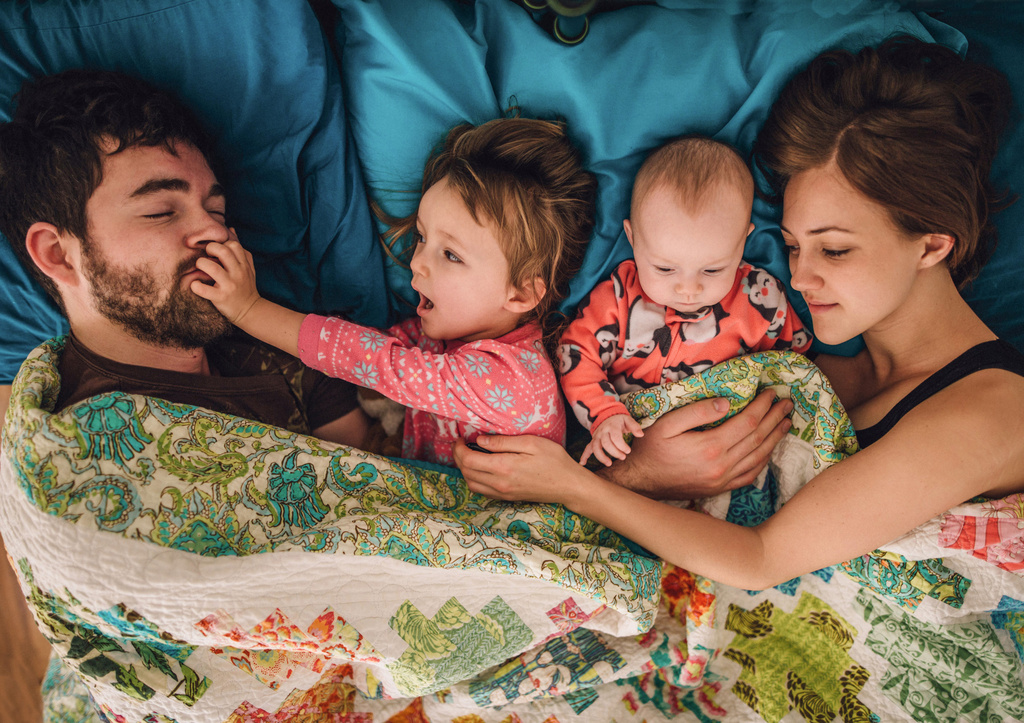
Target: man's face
[148, 221]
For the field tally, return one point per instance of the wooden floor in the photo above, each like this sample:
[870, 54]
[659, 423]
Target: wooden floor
[23, 653]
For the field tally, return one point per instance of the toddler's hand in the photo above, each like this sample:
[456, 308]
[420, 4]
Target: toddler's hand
[233, 291]
[608, 439]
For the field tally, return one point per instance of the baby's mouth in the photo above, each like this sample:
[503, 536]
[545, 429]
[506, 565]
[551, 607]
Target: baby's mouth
[425, 304]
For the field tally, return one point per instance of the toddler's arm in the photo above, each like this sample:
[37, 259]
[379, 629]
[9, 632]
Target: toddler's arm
[234, 294]
[608, 439]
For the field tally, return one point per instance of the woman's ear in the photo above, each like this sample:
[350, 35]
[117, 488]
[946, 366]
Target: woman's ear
[53, 252]
[937, 246]
[527, 297]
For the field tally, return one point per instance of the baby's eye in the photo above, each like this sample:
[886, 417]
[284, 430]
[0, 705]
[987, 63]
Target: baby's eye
[664, 269]
[452, 257]
[712, 272]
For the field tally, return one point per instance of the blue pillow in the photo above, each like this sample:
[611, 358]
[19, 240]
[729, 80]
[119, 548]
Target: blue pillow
[994, 31]
[262, 77]
[642, 75]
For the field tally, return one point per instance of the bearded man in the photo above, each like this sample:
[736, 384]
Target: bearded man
[109, 198]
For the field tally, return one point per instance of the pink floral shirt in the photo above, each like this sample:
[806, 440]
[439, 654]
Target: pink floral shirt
[452, 389]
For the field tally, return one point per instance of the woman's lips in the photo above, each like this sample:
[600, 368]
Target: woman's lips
[818, 307]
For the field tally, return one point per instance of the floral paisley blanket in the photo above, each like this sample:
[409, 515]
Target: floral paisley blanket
[191, 566]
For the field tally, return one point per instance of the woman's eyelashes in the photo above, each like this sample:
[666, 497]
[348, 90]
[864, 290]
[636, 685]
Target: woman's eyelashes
[794, 250]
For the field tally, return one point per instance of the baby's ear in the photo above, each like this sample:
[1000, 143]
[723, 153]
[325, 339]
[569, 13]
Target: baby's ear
[526, 297]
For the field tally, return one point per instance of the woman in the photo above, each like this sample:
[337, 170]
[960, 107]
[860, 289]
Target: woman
[882, 161]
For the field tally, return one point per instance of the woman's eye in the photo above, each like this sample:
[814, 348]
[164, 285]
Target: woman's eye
[792, 249]
[452, 257]
[835, 253]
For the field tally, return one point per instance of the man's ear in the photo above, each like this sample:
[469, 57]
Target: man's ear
[53, 252]
[524, 299]
[937, 246]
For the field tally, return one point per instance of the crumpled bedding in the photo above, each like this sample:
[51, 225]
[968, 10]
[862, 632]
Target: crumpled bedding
[193, 567]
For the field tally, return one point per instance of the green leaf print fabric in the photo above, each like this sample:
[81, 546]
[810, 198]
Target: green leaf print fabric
[189, 566]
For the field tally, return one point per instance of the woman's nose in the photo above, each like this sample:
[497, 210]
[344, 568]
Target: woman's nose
[803, 273]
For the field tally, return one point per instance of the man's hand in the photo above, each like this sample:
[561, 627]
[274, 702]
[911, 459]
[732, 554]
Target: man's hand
[608, 439]
[233, 291]
[672, 461]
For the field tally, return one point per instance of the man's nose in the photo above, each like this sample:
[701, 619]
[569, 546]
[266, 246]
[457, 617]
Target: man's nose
[208, 227]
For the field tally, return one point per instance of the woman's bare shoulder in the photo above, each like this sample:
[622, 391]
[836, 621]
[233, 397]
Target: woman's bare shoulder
[978, 419]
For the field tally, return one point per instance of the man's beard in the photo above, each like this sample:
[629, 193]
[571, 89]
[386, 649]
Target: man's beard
[129, 298]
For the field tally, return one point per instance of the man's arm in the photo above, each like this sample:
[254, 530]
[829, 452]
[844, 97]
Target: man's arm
[674, 460]
[5, 400]
[350, 429]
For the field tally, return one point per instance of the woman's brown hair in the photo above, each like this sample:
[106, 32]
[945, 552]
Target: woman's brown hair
[528, 178]
[911, 125]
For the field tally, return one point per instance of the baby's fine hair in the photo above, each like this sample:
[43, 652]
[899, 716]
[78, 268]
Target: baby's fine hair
[695, 167]
[528, 178]
[911, 125]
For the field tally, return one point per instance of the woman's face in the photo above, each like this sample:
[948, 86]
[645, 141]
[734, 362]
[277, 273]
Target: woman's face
[853, 266]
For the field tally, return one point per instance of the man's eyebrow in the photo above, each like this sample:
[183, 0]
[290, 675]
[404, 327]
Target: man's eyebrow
[179, 185]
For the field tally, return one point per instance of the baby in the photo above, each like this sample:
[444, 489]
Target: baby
[685, 302]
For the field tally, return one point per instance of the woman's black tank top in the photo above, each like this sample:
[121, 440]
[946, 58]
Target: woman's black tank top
[996, 354]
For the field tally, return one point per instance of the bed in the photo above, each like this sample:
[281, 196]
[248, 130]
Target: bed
[177, 582]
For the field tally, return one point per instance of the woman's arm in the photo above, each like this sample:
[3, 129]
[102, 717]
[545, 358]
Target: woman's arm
[964, 441]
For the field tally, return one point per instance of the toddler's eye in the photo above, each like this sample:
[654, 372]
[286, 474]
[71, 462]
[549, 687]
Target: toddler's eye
[417, 237]
[452, 257]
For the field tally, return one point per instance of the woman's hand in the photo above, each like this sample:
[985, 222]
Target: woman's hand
[524, 468]
[674, 460]
[233, 291]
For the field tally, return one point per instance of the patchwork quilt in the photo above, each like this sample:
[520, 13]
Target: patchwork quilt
[191, 566]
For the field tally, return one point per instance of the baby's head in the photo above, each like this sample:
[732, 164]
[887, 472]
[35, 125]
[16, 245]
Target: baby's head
[523, 185]
[689, 219]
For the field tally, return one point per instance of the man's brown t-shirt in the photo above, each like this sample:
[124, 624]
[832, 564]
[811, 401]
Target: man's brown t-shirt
[251, 380]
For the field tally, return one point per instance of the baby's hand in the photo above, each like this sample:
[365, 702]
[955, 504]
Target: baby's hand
[233, 291]
[608, 438]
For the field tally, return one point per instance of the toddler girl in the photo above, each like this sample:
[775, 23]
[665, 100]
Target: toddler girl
[504, 218]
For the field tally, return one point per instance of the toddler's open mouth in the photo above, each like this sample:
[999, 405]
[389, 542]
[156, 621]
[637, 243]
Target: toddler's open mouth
[424, 305]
